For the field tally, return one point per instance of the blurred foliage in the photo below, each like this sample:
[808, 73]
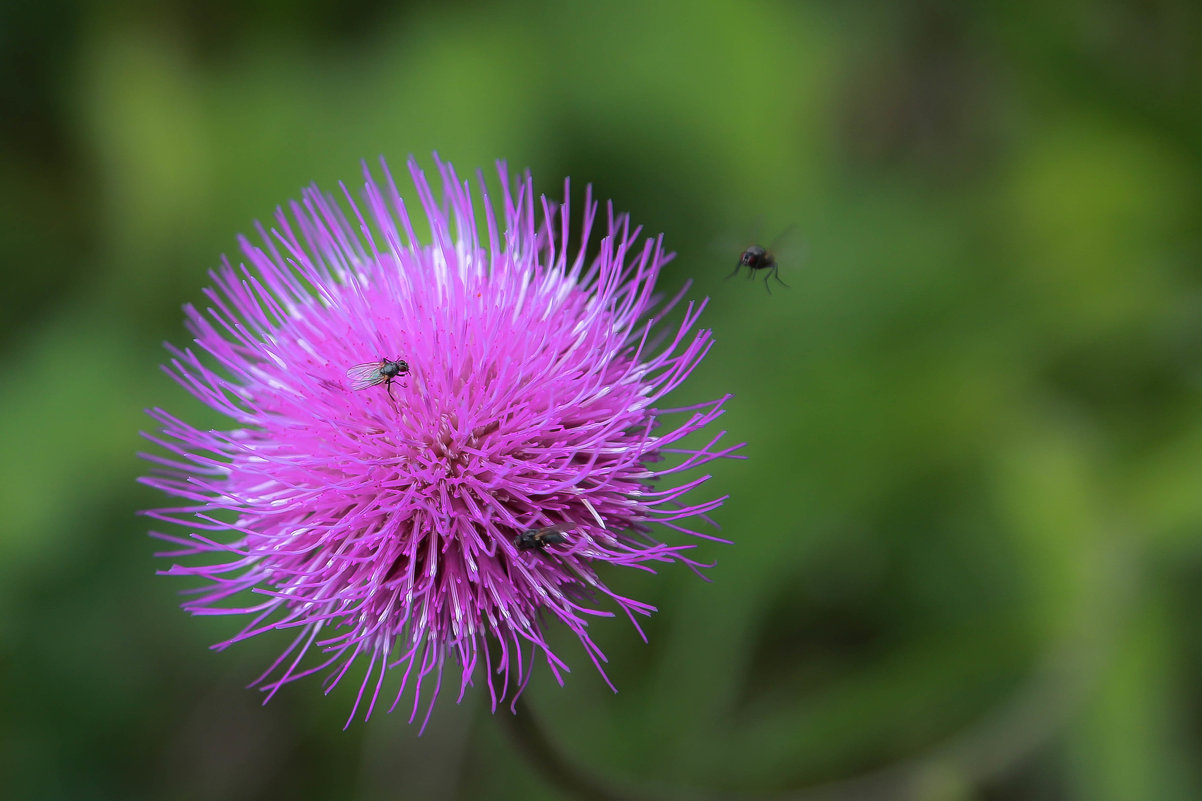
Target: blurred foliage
[969, 535]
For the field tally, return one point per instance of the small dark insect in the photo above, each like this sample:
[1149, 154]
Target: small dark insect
[540, 538]
[757, 257]
[372, 374]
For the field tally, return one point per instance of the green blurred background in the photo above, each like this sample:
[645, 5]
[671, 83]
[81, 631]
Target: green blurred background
[969, 536]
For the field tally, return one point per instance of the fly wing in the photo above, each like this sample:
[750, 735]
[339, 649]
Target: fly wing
[365, 375]
[790, 247]
[556, 534]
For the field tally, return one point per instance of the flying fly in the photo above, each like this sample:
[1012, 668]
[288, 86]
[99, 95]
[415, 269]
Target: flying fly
[758, 257]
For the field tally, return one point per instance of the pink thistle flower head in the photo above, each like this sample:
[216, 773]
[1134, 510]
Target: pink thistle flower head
[435, 447]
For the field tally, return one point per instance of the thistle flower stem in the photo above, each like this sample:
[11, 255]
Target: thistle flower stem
[538, 749]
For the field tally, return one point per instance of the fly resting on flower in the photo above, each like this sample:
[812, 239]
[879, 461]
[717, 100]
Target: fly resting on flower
[540, 538]
[372, 374]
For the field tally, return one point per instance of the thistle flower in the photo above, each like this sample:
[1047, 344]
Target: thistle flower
[393, 523]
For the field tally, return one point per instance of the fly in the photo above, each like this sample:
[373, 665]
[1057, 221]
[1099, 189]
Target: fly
[540, 538]
[758, 257]
[372, 374]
